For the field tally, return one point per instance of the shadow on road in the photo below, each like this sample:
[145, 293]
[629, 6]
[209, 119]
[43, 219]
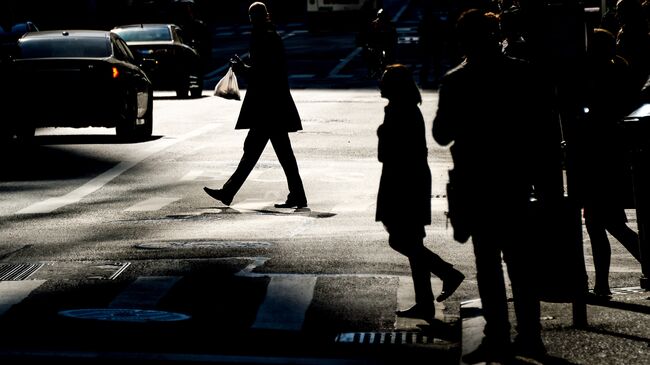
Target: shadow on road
[85, 139]
[49, 163]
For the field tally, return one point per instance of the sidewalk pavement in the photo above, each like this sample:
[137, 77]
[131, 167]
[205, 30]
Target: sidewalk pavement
[617, 330]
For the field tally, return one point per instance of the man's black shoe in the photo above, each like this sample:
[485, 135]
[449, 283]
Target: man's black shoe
[450, 284]
[291, 204]
[219, 195]
[418, 312]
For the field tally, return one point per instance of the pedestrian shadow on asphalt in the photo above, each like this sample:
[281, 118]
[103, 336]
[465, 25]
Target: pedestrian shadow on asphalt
[83, 139]
[300, 211]
[436, 328]
[625, 336]
[548, 360]
[305, 212]
[630, 307]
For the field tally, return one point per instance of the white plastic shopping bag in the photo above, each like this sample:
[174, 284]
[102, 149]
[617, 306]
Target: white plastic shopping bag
[227, 87]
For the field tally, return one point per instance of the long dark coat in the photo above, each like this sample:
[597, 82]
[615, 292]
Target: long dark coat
[494, 114]
[404, 196]
[268, 103]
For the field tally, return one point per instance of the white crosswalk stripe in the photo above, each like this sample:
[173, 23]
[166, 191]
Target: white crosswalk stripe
[144, 292]
[152, 204]
[285, 305]
[286, 302]
[13, 292]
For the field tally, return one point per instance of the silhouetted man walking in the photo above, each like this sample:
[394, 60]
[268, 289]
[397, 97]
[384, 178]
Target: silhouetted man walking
[268, 111]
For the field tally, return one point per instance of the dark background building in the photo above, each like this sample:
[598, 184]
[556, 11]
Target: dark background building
[105, 14]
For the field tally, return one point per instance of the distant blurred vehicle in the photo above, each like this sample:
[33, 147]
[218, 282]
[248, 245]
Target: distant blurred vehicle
[77, 78]
[339, 14]
[9, 38]
[170, 63]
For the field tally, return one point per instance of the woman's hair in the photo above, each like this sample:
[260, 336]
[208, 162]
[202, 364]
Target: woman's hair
[602, 44]
[397, 84]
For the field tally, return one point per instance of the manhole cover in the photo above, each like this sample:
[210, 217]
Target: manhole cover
[203, 244]
[124, 315]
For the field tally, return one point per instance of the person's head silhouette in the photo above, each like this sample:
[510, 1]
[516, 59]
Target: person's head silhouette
[478, 34]
[257, 13]
[398, 86]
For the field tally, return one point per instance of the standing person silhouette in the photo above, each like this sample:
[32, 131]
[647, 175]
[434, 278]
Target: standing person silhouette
[195, 32]
[268, 111]
[633, 39]
[610, 94]
[379, 44]
[406, 180]
[487, 109]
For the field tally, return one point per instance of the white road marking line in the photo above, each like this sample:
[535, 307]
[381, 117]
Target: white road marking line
[192, 175]
[400, 12]
[151, 204]
[145, 292]
[302, 76]
[52, 204]
[472, 326]
[354, 207]
[286, 302]
[12, 292]
[335, 71]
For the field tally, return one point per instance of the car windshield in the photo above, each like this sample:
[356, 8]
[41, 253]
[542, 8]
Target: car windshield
[82, 47]
[153, 34]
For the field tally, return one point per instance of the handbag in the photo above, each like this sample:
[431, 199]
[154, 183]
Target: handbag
[457, 208]
[227, 87]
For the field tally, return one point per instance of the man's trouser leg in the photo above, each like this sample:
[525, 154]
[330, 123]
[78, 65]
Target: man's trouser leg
[492, 289]
[253, 148]
[282, 146]
[409, 242]
[526, 298]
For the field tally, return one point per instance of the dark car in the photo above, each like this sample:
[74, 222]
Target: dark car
[78, 78]
[170, 63]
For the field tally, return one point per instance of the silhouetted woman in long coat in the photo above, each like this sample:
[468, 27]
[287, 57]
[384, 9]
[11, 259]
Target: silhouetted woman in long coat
[404, 197]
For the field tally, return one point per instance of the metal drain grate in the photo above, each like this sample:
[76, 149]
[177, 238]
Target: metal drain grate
[386, 338]
[15, 272]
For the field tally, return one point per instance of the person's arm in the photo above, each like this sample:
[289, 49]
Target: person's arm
[443, 131]
[239, 66]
